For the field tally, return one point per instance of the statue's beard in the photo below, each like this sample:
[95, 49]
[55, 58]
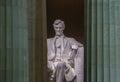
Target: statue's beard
[59, 33]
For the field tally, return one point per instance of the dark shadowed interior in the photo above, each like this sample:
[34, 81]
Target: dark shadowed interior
[71, 12]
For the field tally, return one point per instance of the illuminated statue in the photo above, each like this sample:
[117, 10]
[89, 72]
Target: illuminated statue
[65, 56]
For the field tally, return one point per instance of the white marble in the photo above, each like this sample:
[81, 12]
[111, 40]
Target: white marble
[66, 50]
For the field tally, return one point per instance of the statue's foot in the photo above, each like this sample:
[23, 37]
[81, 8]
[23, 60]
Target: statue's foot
[52, 78]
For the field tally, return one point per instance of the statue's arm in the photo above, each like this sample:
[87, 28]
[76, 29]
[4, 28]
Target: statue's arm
[75, 45]
[75, 42]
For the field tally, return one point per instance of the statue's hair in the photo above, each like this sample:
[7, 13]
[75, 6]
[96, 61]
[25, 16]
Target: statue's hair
[57, 22]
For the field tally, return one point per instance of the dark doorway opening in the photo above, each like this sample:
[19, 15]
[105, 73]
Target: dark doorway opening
[71, 12]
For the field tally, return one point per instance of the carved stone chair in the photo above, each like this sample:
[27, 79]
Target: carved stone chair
[78, 66]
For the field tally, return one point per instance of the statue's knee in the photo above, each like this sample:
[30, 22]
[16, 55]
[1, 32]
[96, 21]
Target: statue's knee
[60, 65]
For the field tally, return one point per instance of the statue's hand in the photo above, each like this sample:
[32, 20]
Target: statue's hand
[68, 62]
[74, 46]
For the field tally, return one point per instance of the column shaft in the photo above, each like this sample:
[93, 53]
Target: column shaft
[13, 41]
[103, 36]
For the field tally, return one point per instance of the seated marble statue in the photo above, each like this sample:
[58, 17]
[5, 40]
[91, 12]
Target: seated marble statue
[62, 54]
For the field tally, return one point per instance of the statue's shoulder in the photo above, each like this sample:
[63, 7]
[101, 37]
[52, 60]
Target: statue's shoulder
[70, 38]
[74, 41]
[49, 39]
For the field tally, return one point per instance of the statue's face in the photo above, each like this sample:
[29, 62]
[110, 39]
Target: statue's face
[59, 29]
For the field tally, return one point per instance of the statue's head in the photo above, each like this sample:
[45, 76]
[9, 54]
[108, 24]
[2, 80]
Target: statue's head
[59, 26]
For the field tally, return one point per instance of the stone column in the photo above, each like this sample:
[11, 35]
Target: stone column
[13, 41]
[2, 42]
[40, 42]
[102, 22]
[37, 40]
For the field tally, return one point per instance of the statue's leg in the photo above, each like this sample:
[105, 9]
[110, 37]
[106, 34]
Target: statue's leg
[60, 72]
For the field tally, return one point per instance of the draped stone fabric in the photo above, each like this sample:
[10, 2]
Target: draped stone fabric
[79, 65]
[65, 54]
